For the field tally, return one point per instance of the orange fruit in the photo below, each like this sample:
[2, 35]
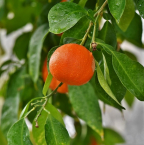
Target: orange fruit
[63, 0]
[72, 64]
[54, 82]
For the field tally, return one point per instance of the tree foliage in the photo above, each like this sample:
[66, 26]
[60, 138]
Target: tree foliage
[117, 75]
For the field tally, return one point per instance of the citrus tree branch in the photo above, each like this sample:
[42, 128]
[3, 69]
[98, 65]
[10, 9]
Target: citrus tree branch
[101, 8]
[86, 34]
[43, 106]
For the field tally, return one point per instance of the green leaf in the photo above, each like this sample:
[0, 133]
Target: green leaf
[21, 45]
[11, 105]
[16, 83]
[47, 83]
[68, 40]
[18, 8]
[82, 2]
[134, 37]
[140, 7]
[105, 86]
[55, 113]
[107, 16]
[101, 94]
[3, 89]
[3, 140]
[85, 104]
[25, 110]
[111, 137]
[117, 8]
[77, 31]
[39, 133]
[9, 113]
[116, 86]
[62, 102]
[19, 134]
[127, 16]
[49, 55]
[108, 35]
[44, 11]
[129, 98]
[106, 71]
[90, 15]
[2, 3]
[64, 15]
[35, 48]
[55, 132]
[130, 73]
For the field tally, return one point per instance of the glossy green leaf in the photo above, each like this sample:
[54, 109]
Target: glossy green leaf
[55, 132]
[16, 83]
[19, 134]
[46, 8]
[82, 2]
[129, 98]
[112, 137]
[78, 31]
[25, 110]
[50, 54]
[47, 83]
[116, 86]
[127, 16]
[101, 94]
[64, 15]
[35, 48]
[68, 40]
[108, 35]
[130, 73]
[21, 45]
[55, 113]
[9, 113]
[85, 104]
[106, 71]
[11, 105]
[90, 15]
[132, 36]
[107, 16]
[62, 102]
[105, 86]
[39, 133]
[130, 55]
[117, 8]
[140, 7]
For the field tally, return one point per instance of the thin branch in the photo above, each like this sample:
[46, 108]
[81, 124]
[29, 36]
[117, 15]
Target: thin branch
[101, 8]
[86, 34]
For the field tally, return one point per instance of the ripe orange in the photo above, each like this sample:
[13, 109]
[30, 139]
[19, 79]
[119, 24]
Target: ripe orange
[72, 64]
[63, 0]
[54, 82]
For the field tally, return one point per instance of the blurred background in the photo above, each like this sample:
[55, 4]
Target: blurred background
[130, 124]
